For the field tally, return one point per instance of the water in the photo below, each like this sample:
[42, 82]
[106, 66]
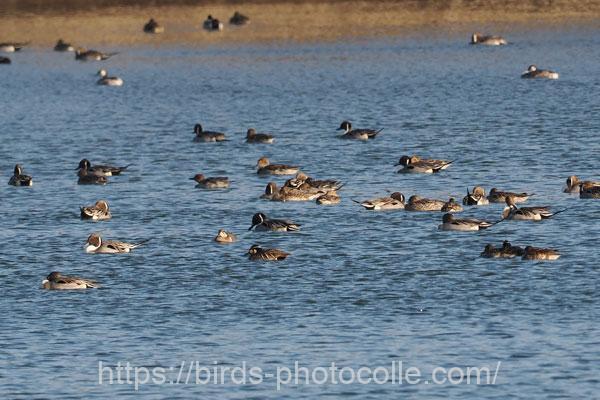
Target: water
[360, 288]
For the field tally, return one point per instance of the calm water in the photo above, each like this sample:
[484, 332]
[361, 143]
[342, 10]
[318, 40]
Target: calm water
[361, 288]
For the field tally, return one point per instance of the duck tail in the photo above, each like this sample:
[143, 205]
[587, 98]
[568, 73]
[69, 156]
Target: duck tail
[376, 132]
[558, 212]
[356, 201]
[141, 242]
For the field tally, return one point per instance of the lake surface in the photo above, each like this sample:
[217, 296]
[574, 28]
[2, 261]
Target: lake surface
[360, 288]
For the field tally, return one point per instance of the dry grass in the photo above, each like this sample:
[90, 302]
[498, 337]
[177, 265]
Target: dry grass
[281, 21]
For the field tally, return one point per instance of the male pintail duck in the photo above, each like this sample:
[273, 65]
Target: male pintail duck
[449, 223]
[394, 201]
[537, 253]
[512, 212]
[414, 164]
[217, 182]
[506, 251]
[498, 196]
[451, 206]
[273, 193]
[12, 47]
[357, 134]
[418, 203]
[574, 184]
[153, 27]
[19, 179]
[207, 136]
[87, 178]
[100, 170]
[589, 190]
[257, 253]
[98, 212]
[58, 281]
[238, 19]
[253, 137]
[212, 24]
[328, 199]
[225, 237]
[488, 40]
[304, 182]
[63, 46]
[5, 60]
[476, 197]
[92, 55]
[534, 72]
[260, 222]
[95, 244]
[264, 167]
[108, 80]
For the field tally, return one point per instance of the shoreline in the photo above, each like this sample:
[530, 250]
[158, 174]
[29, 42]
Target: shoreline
[280, 22]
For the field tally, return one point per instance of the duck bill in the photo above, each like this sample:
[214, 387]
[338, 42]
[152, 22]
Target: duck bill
[253, 225]
[340, 129]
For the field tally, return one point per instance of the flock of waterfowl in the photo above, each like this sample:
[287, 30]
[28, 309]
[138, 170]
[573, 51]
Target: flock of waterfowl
[301, 187]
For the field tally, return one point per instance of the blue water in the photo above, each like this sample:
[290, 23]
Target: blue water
[360, 288]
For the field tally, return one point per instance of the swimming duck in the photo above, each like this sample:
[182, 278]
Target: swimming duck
[264, 167]
[58, 281]
[357, 134]
[574, 184]
[478, 38]
[153, 27]
[108, 80]
[82, 54]
[63, 46]
[451, 206]
[476, 197]
[449, 223]
[414, 164]
[506, 251]
[498, 196]
[253, 137]
[260, 222]
[217, 182]
[225, 237]
[257, 253]
[238, 19]
[98, 212]
[537, 253]
[87, 178]
[207, 136]
[589, 190]
[12, 47]
[394, 201]
[418, 203]
[534, 72]
[328, 199]
[212, 24]
[95, 244]
[304, 182]
[100, 170]
[273, 193]
[512, 212]
[5, 60]
[19, 179]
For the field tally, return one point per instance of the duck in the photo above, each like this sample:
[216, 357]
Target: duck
[5, 60]
[394, 201]
[257, 253]
[538, 253]
[207, 136]
[218, 182]
[512, 212]
[100, 170]
[414, 164]
[153, 27]
[98, 212]
[57, 281]
[260, 222]
[488, 40]
[82, 54]
[63, 46]
[12, 47]
[273, 193]
[19, 179]
[108, 80]
[239, 19]
[357, 134]
[304, 182]
[95, 244]
[253, 137]
[264, 167]
[499, 196]
[328, 199]
[418, 203]
[451, 206]
[225, 237]
[589, 190]
[449, 223]
[534, 72]
[506, 251]
[88, 178]
[476, 197]
[574, 184]
[212, 24]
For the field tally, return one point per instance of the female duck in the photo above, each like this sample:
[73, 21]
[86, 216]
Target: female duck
[58, 281]
[253, 137]
[20, 179]
[498, 196]
[92, 55]
[257, 253]
[264, 167]
[478, 38]
[217, 182]
[537, 253]
[108, 80]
